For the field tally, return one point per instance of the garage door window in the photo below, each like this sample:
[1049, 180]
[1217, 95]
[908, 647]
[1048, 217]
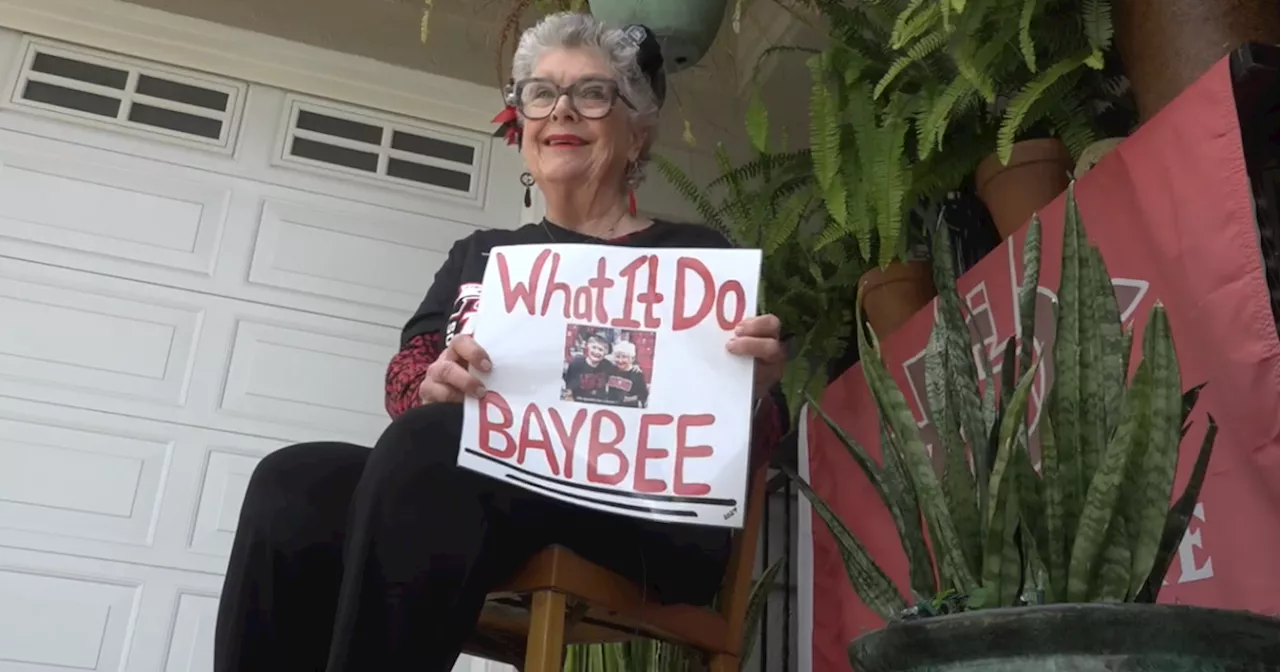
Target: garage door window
[382, 148]
[106, 89]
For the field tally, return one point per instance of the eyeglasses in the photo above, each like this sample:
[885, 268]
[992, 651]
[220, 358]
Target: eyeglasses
[591, 97]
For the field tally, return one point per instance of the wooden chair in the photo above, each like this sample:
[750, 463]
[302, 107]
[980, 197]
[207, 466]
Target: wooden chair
[559, 598]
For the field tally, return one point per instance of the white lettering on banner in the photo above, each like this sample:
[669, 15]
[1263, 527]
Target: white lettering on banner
[1188, 569]
[1187, 552]
[611, 385]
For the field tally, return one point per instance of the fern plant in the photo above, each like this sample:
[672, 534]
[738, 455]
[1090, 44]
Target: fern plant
[1094, 524]
[868, 163]
[773, 203]
[1024, 63]
[910, 95]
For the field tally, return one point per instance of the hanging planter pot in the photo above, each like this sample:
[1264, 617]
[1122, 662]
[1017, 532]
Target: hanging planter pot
[686, 29]
[891, 295]
[1166, 45]
[1038, 170]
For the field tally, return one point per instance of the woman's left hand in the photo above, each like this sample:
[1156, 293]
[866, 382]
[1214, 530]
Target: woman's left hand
[758, 338]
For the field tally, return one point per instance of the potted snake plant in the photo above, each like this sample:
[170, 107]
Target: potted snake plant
[1049, 569]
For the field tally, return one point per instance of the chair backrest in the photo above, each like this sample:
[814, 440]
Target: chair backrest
[735, 591]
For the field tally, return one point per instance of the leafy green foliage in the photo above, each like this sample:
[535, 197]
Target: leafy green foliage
[773, 203]
[637, 655]
[910, 95]
[1032, 58]
[1095, 523]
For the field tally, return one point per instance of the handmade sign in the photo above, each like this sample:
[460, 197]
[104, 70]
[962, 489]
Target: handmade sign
[611, 387]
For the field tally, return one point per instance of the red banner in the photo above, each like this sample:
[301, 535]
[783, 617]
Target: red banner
[1171, 212]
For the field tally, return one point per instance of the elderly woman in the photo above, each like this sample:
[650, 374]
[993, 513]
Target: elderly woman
[356, 560]
[627, 385]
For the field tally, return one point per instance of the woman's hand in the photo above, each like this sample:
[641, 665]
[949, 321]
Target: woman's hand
[757, 337]
[448, 379]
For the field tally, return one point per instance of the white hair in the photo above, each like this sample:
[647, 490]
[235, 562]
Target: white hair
[625, 348]
[572, 30]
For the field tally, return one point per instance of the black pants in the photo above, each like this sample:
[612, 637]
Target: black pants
[351, 560]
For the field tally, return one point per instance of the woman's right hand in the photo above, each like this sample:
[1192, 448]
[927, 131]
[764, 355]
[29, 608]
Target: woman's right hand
[448, 378]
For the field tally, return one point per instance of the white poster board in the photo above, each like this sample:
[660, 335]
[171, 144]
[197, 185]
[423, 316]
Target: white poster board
[611, 386]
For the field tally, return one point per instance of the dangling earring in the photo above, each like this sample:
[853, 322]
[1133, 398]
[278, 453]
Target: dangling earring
[631, 201]
[526, 179]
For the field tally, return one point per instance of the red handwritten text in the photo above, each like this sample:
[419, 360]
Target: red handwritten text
[543, 293]
[536, 441]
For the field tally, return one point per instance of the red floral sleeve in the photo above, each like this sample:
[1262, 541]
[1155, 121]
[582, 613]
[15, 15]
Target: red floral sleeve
[407, 370]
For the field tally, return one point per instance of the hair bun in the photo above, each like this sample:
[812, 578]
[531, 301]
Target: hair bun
[649, 58]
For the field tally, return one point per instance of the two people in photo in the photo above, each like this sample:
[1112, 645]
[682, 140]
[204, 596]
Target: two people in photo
[606, 373]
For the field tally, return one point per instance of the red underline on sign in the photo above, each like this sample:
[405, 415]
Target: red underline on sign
[669, 499]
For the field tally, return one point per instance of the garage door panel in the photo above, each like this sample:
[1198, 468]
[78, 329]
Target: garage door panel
[88, 337]
[86, 484]
[351, 253]
[54, 621]
[294, 375]
[189, 486]
[109, 208]
[226, 479]
[77, 613]
[191, 642]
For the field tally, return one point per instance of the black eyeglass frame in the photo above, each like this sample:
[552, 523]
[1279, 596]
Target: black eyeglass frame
[615, 94]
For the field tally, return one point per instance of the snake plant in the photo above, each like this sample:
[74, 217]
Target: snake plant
[1094, 522]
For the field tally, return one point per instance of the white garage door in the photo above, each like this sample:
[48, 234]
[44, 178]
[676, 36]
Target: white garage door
[194, 272]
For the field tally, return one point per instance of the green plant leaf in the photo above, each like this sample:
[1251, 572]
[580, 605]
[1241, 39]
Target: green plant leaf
[900, 501]
[904, 436]
[962, 373]
[755, 608]
[1067, 397]
[958, 485]
[1002, 562]
[1151, 486]
[1028, 292]
[1057, 555]
[1113, 567]
[758, 123]
[1106, 329]
[1175, 527]
[868, 580]
[1189, 399]
[1020, 106]
[1008, 371]
[1025, 43]
[898, 483]
[824, 133]
[1100, 504]
[1095, 18]
[1031, 500]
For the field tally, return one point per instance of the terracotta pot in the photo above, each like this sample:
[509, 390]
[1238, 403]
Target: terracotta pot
[891, 295]
[1074, 638]
[1166, 45]
[1038, 171]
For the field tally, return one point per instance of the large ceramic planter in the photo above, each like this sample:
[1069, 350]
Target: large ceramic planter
[1075, 638]
[685, 28]
[1038, 170]
[891, 295]
[1166, 45]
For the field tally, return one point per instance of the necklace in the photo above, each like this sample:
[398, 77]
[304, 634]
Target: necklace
[607, 237]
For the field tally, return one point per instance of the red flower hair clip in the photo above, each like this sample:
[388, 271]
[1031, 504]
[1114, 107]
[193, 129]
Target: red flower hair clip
[508, 119]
